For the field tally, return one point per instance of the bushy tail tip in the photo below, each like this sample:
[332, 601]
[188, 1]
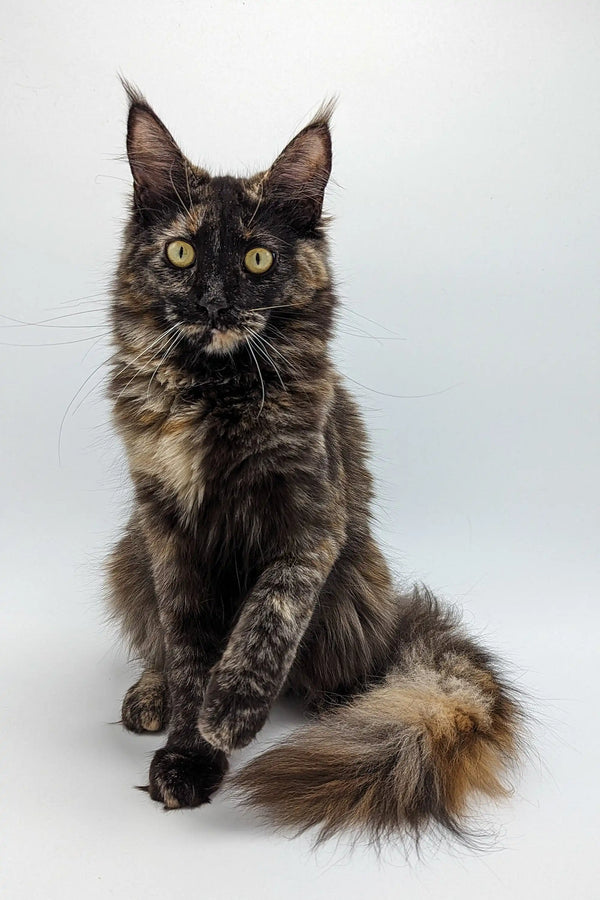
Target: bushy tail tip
[408, 754]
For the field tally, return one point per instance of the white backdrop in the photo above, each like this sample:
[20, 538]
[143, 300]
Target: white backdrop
[465, 242]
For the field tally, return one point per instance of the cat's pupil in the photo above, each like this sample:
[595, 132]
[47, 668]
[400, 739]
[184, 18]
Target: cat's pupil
[258, 259]
[181, 253]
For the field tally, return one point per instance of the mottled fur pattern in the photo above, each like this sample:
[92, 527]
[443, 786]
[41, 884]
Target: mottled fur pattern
[248, 567]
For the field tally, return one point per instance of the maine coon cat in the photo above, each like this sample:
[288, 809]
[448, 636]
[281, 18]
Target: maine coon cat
[248, 568]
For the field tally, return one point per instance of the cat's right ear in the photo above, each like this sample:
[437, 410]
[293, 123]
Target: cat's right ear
[161, 173]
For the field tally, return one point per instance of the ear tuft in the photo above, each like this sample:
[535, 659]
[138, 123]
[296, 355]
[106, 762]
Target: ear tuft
[134, 95]
[324, 114]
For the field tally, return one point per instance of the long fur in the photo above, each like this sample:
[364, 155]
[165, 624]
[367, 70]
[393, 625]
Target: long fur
[249, 567]
[409, 753]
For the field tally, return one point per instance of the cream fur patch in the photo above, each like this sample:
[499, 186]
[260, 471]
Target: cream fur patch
[224, 341]
[173, 452]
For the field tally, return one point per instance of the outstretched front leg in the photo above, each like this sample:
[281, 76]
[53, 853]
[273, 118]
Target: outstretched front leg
[262, 647]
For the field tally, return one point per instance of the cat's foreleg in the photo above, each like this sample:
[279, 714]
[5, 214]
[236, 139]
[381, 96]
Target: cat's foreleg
[133, 604]
[262, 647]
[187, 770]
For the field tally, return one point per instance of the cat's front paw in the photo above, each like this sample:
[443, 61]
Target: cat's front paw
[180, 778]
[231, 716]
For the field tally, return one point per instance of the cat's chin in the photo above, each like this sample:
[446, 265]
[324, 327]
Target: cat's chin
[214, 341]
[220, 342]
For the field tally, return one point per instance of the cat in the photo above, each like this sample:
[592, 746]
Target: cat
[248, 568]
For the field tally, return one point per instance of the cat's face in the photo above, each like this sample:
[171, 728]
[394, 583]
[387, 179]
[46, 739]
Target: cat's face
[213, 264]
[210, 259]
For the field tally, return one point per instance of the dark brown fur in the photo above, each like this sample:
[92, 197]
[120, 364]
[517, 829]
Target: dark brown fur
[248, 567]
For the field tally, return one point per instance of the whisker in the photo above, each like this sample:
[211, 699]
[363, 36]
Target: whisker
[91, 375]
[276, 350]
[364, 335]
[79, 312]
[252, 335]
[372, 321]
[86, 298]
[404, 396]
[262, 403]
[19, 323]
[90, 337]
[91, 347]
[160, 337]
[170, 346]
[135, 359]
[71, 402]
[290, 365]
[275, 306]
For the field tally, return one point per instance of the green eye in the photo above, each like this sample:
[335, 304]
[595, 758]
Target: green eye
[180, 254]
[258, 260]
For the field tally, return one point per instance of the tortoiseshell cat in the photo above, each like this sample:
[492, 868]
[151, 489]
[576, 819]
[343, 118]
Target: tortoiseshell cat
[248, 567]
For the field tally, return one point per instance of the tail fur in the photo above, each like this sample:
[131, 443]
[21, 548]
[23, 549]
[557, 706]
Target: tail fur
[409, 753]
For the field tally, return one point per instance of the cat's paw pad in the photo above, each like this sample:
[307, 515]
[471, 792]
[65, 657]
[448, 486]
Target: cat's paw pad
[145, 705]
[181, 779]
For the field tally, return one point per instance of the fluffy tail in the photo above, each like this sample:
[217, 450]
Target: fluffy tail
[407, 754]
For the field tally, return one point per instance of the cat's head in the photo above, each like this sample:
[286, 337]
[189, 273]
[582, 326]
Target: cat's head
[212, 259]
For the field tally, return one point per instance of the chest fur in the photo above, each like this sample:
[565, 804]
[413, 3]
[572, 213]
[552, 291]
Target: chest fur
[174, 451]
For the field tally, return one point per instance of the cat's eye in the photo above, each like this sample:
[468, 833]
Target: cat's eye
[180, 254]
[258, 260]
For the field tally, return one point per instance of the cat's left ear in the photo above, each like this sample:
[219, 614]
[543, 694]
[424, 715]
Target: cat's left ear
[297, 179]
[161, 173]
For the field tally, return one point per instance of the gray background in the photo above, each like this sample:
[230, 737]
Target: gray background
[465, 244]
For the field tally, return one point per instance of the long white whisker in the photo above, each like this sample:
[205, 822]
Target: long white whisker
[275, 306]
[266, 355]
[276, 350]
[171, 346]
[76, 301]
[21, 323]
[145, 350]
[72, 401]
[90, 337]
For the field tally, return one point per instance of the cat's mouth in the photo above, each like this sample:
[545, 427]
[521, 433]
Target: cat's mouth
[224, 334]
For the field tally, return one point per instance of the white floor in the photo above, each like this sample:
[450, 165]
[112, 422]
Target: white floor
[73, 826]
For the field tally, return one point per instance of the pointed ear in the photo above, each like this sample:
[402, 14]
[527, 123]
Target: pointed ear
[161, 173]
[297, 179]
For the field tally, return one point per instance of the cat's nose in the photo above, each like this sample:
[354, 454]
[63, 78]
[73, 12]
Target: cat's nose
[207, 312]
[213, 297]
[218, 316]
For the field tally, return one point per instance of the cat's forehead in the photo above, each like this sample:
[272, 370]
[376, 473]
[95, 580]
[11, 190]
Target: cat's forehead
[224, 201]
